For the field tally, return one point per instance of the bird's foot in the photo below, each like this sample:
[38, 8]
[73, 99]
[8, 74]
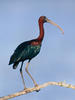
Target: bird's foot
[36, 85]
[25, 88]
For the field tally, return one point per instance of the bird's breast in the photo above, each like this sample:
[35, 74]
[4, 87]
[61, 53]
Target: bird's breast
[31, 51]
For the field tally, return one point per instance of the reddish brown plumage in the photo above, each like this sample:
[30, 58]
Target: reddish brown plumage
[41, 35]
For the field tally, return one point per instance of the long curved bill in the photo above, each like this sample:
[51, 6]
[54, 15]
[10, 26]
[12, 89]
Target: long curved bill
[53, 23]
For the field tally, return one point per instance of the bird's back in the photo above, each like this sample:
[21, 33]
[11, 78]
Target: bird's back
[24, 51]
[17, 53]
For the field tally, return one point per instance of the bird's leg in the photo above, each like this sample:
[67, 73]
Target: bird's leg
[22, 75]
[30, 74]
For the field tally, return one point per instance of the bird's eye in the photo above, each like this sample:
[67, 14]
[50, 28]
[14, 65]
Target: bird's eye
[44, 17]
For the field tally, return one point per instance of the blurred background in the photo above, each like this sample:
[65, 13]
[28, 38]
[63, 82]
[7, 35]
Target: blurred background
[56, 61]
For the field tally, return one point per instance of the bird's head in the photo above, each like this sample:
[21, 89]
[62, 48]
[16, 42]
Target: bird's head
[44, 19]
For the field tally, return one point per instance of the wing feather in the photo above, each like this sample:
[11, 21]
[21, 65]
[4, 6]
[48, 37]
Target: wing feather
[16, 57]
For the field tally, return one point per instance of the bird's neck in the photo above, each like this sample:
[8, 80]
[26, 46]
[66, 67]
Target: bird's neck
[41, 35]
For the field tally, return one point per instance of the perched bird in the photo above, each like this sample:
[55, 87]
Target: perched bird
[29, 49]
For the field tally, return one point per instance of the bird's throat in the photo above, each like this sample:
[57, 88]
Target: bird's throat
[41, 35]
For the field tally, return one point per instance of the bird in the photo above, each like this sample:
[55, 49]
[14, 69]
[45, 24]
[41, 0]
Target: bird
[29, 49]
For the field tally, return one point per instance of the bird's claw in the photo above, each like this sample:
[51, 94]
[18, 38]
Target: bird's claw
[36, 85]
[25, 88]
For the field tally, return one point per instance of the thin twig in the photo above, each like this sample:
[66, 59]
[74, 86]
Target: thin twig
[29, 90]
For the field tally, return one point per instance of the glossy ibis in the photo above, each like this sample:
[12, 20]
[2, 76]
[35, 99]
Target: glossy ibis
[29, 49]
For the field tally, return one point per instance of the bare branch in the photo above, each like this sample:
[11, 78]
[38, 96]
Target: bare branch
[29, 90]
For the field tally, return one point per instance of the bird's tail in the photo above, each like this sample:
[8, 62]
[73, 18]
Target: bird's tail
[15, 65]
